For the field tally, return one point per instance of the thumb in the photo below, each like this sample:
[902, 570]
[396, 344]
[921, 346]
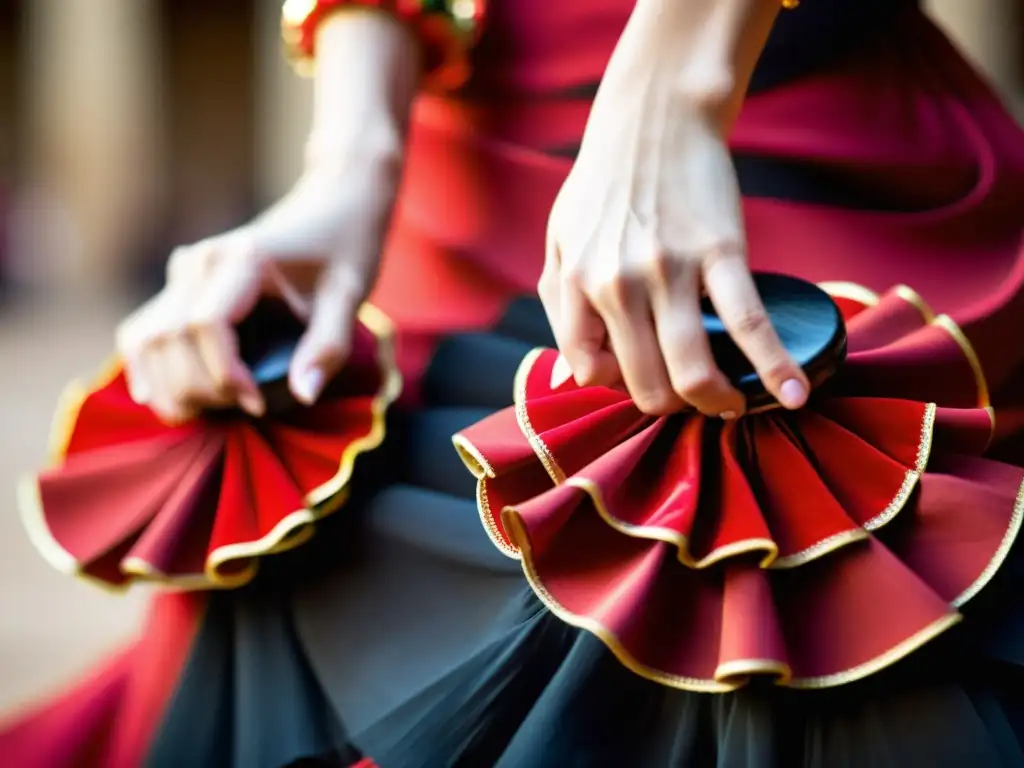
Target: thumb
[324, 347]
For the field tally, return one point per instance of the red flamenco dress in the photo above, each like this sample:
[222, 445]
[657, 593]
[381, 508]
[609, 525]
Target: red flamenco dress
[827, 588]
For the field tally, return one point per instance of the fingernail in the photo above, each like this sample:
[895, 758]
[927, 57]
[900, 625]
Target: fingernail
[307, 385]
[729, 415]
[560, 372]
[793, 394]
[251, 403]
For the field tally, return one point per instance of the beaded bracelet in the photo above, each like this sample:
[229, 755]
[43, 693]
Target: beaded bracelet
[447, 30]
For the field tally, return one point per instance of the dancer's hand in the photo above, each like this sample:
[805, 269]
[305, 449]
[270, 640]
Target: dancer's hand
[648, 220]
[318, 248]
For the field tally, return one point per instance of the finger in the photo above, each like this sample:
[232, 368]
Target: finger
[626, 312]
[692, 371]
[229, 290]
[175, 379]
[584, 338]
[154, 320]
[733, 292]
[227, 295]
[217, 347]
[129, 349]
[325, 345]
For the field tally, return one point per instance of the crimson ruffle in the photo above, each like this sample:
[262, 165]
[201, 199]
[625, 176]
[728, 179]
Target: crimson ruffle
[815, 547]
[197, 505]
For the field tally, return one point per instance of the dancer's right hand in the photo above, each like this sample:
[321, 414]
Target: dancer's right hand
[317, 249]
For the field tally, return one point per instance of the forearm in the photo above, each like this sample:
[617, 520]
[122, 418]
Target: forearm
[699, 52]
[367, 71]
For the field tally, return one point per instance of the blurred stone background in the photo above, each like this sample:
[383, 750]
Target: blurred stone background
[126, 128]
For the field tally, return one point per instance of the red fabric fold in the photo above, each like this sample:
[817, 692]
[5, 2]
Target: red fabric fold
[706, 552]
[195, 506]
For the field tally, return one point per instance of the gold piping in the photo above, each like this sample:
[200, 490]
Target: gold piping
[523, 418]
[841, 289]
[69, 405]
[917, 301]
[596, 628]
[291, 531]
[912, 477]
[768, 547]
[826, 546]
[1012, 530]
[767, 667]
[949, 325]
[896, 653]
[669, 536]
[482, 470]
[743, 669]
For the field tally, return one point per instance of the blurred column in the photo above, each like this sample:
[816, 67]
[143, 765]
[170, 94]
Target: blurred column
[989, 31]
[283, 108]
[94, 97]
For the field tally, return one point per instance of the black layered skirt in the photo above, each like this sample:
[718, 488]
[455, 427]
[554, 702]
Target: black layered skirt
[400, 633]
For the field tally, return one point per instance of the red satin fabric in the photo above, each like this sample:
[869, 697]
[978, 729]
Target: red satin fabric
[703, 553]
[109, 719]
[197, 505]
[947, 148]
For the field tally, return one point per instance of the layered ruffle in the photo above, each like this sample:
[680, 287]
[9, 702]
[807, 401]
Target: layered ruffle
[813, 547]
[197, 505]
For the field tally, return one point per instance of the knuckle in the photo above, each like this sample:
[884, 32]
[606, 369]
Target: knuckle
[180, 262]
[778, 370]
[695, 383]
[333, 350]
[655, 402]
[168, 412]
[547, 286]
[617, 289]
[662, 267]
[221, 378]
[575, 278]
[750, 322]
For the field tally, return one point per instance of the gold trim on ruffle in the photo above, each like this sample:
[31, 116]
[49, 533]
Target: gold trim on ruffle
[540, 448]
[733, 674]
[481, 469]
[946, 323]
[768, 548]
[917, 301]
[1012, 531]
[291, 531]
[840, 289]
[869, 298]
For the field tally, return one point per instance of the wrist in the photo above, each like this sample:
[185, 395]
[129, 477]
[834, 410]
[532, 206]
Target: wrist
[377, 140]
[700, 53]
[367, 71]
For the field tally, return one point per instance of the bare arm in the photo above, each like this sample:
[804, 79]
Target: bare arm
[318, 247]
[699, 52]
[623, 287]
[367, 71]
